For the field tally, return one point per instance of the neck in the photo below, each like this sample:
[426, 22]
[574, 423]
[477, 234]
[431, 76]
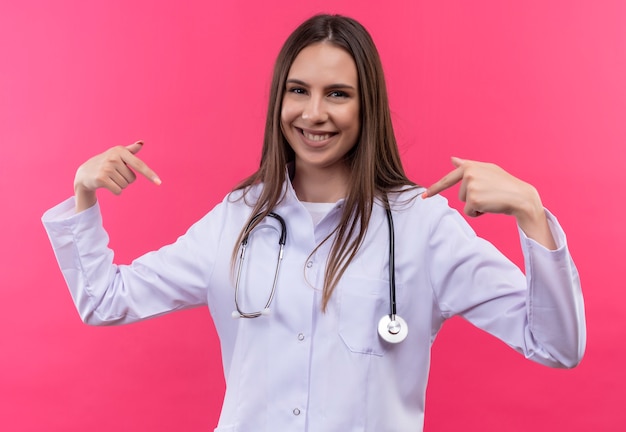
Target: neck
[319, 185]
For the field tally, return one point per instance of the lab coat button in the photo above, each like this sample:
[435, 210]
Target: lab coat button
[300, 337]
[296, 411]
[309, 264]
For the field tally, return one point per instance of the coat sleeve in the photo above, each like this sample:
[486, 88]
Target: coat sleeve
[174, 277]
[539, 313]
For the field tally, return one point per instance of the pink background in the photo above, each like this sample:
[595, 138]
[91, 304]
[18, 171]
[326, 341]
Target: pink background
[536, 86]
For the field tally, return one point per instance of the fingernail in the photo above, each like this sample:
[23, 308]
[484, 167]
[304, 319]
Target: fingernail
[156, 181]
[424, 194]
[457, 160]
[139, 142]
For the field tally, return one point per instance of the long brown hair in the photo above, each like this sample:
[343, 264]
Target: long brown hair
[374, 160]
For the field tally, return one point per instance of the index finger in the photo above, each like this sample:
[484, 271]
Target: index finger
[140, 166]
[449, 180]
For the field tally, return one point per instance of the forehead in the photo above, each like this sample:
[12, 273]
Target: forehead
[324, 61]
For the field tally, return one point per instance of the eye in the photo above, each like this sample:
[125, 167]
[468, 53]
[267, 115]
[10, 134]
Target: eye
[338, 94]
[296, 90]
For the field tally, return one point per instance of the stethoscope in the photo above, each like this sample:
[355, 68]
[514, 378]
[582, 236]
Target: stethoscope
[392, 328]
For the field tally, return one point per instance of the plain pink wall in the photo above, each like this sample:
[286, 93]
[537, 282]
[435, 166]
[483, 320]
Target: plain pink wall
[537, 87]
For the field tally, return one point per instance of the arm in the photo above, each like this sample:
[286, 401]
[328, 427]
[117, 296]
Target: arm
[105, 293]
[173, 278]
[540, 314]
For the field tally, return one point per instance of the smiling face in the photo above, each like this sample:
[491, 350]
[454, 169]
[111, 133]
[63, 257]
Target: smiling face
[320, 109]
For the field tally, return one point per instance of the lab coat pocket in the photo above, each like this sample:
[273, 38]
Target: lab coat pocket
[362, 302]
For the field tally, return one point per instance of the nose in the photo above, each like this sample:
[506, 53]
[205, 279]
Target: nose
[314, 110]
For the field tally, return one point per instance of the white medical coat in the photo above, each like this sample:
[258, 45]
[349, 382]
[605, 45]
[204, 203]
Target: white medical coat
[300, 369]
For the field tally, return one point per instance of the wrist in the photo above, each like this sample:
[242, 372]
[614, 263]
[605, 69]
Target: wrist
[530, 208]
[84, 198]
[532, 220]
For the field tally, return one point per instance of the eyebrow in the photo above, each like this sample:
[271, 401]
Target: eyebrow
[329, 87]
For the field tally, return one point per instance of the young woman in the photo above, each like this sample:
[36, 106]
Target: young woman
[310, 337]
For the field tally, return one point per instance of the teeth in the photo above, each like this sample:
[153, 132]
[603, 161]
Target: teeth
[314, 137]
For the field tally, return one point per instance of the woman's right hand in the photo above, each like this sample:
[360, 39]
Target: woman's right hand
[113, 170]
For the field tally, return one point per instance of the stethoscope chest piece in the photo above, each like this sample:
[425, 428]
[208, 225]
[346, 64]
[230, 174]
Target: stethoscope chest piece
[392, 330]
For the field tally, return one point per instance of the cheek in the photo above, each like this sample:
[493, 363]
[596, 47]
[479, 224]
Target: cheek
[286, 119]
[288, 113]
[350, 119]
[284, 123]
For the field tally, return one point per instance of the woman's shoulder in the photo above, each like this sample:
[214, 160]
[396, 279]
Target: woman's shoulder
[232, 210]
[246, 196]
[409, 201]
[432, 215]
[406, 198]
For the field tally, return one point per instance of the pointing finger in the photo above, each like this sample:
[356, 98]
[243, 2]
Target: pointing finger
[457, 162]
[449, 180]
[135, 147]
[138, 165]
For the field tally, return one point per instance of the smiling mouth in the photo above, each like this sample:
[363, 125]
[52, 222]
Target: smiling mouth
[316, 136]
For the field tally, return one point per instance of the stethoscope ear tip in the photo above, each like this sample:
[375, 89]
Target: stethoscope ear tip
[266, 312]
[236, 315]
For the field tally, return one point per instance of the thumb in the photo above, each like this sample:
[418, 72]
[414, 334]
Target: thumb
[456, 161]
[135, 147]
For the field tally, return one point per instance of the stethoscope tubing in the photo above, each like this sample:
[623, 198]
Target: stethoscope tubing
[392, 264]
[392, 328]
[244, 244]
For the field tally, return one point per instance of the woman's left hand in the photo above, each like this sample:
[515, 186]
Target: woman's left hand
[487, 188]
